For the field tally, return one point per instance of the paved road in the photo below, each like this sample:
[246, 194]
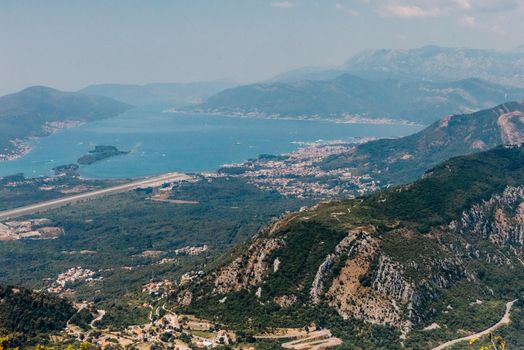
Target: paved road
[503, 321]
[55, 203]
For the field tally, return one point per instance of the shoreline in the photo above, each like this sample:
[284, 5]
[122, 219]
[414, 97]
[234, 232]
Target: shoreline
[22, 147]
[300, 145]
[296, 145]
[341, 119]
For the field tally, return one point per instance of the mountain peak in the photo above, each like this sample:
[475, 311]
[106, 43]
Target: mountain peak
[38, 90]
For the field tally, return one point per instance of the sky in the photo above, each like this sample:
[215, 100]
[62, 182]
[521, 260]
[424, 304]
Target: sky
[69, 44]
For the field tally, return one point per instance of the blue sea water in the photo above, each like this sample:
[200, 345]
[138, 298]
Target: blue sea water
[165, 142]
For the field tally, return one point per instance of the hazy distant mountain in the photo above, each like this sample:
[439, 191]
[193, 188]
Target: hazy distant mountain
[172, 94]
[38, 110]
[417, 101]
[394, 161]
[308, 73]
[441, 64]
[432, 63]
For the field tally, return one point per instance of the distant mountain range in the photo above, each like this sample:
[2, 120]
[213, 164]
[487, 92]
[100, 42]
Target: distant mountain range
[169, 94]
[407, 267]
[394, 161]
[38, 111]
[349, 97]
[431, 63]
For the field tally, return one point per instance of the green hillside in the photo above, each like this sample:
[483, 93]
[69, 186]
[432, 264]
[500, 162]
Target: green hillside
[394, 161]
[26, 314]
[351, 96]
[38, 110]
[393, 263]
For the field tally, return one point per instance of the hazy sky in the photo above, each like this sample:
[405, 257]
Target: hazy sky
[69, 44]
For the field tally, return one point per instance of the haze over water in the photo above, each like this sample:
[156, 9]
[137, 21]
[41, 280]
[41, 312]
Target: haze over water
[165, 142]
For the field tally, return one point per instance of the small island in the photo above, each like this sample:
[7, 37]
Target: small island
[67, 170]
[100, 153]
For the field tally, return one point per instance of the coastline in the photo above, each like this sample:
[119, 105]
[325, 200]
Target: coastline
[291, 141]
[21, 147]
[338, 119]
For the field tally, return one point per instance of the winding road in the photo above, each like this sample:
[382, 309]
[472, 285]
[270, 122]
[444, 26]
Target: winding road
[55, 203]
[503, 321]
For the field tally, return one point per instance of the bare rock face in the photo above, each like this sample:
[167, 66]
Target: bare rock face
[343, 249]
[253, 266]
[381, 296]
[510, 125]
[499, 219]
[186, 298]
[248, 269]
[285, 301]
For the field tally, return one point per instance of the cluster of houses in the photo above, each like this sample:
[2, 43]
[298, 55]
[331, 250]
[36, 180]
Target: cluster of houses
[73, 275]
[298, 174]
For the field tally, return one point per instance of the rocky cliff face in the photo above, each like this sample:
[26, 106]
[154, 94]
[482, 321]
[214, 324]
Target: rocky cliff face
[375, 294]
[253, 265]
[249, 269]
[499, 219]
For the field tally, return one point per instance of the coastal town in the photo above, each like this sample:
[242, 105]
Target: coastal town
[18, 147]
[299, 174]
[341, 118]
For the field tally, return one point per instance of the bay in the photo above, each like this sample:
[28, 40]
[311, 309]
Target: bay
[165, 142]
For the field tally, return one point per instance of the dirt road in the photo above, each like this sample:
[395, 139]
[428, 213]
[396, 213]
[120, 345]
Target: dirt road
[503, 321]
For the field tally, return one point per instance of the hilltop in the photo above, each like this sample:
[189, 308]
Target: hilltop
[38, 111]
[437, 63]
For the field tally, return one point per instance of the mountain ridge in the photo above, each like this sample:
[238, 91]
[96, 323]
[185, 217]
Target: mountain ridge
[433, 63]
[350, 96]
[394, 161]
